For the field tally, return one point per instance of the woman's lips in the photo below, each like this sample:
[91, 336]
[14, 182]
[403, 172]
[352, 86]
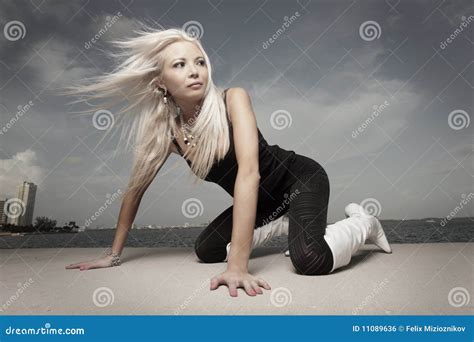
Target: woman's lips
[195, 86]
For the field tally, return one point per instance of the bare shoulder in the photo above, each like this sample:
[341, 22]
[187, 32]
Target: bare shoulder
[237, 94]
[238, 100]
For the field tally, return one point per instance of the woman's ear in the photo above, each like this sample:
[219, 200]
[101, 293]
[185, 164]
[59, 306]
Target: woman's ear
[158, 82]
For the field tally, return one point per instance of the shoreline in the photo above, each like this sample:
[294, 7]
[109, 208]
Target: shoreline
[398, 232]
[430, 220]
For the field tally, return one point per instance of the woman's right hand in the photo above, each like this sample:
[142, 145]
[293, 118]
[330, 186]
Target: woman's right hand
[88, 265]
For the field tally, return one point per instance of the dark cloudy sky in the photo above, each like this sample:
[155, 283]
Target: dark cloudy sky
[325, 74]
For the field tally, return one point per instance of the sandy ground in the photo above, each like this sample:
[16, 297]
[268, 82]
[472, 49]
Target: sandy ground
[425, 279]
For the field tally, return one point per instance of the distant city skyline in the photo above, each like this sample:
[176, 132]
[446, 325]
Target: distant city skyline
[379, 93]
[19, 210]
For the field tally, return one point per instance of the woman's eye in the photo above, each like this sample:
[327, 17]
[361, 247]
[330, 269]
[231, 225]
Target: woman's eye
[182, 63]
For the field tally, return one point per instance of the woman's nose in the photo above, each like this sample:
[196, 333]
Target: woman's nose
[193, 70]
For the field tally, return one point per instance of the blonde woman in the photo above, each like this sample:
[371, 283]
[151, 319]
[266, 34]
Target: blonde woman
[175, 107]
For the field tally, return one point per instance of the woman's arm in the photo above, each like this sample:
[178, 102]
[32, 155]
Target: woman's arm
[128, 210]
[245, 203]
[248, 177]
[245, 197]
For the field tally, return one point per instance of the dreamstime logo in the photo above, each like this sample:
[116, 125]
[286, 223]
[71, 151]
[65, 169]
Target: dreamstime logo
[377, 110]
[280, 208]
[109, 21]
[370, 296]
[370, 30]
[48, 329]
[280, 297]
[110, 199]
[18, 292]
[194, 29]
[452, 36]
[21, 110]
[372, 206]
[280, 119]
[286, 24]
[191, 297]
[103, 119]
[14, 30]
[15, 207]
[192, 208]
[465, 200]
[103, 296]
[459, 296]
[188, 125]
[458, 119]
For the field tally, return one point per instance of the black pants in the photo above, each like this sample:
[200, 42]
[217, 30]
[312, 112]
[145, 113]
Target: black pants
[306, 203]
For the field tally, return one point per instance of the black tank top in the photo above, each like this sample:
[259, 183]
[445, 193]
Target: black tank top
[274, 166]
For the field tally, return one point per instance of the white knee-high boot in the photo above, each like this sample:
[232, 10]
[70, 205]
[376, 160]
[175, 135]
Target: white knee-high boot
[264, 233]
[345, 237]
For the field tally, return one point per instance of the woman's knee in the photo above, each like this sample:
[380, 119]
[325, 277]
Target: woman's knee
[311, 261]
[310, 266]
[207, 251]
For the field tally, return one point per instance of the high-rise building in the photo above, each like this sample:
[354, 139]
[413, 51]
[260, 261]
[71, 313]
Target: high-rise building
[26, 199]
[3, 209]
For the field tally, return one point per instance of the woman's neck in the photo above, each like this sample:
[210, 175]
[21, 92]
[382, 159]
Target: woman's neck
[189, 110]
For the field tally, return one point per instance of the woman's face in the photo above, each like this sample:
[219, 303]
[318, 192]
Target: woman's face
[184, 64]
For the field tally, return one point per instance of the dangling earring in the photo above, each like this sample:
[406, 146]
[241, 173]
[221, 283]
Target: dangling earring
[165, 98]
[157, 90]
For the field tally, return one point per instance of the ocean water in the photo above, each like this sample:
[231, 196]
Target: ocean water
[407, 231]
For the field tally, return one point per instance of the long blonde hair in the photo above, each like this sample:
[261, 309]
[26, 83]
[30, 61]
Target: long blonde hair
[147, 118]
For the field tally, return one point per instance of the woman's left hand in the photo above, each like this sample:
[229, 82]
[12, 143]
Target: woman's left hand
[235, 279]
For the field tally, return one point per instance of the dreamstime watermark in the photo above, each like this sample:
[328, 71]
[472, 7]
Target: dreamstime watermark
[109, 22]
[110, 199]
[191, 297]
[459, 296]
[16, 295]
[465, 21]
[371, 206]
[458, 119]
[103, 119]
[192, 208]
[280, 297]
[377, 111]
[46, 330]
[188, 125]
[194, 29]
[103, 296]
[280, 119]
[21, 110]
[14, 30]
[465, 200]
[370, 30]
[288, 20]
[280, 208]
[370, 296]
[14, 207]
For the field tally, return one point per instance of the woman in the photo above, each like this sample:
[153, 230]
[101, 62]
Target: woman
[167, 75]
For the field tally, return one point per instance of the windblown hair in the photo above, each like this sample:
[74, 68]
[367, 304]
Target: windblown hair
[147, 120]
